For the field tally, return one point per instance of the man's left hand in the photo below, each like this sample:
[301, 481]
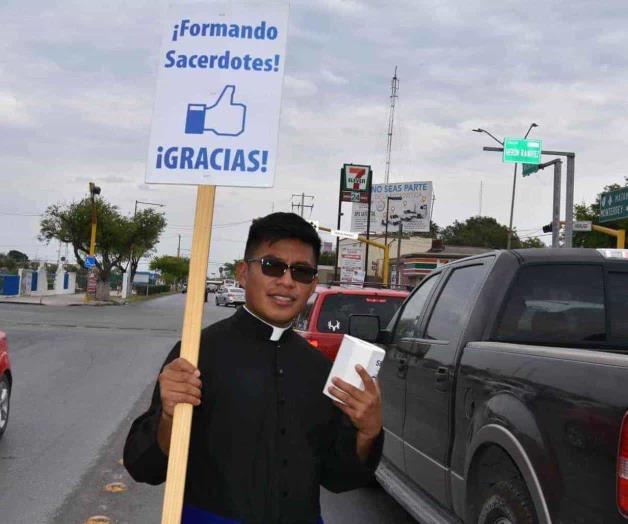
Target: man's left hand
[363, 407]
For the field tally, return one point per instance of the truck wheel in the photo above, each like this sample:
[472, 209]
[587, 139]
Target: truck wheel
[507, 502]
[5, 397]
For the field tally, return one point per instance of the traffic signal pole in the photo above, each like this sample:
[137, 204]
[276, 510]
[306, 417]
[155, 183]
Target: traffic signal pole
[571, 167]
[619, 234]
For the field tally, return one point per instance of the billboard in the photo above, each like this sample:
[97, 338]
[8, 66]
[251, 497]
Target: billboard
[410, 204]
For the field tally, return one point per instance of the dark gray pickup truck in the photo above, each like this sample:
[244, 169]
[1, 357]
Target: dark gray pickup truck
[505, 390]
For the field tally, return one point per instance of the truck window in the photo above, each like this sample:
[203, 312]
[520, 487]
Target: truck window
[618, 305]
[303, 318]
[336, 309]
[449, 312]
[555, 305]
[410, 317]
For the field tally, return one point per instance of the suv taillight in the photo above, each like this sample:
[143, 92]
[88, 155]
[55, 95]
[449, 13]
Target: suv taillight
[622, 468]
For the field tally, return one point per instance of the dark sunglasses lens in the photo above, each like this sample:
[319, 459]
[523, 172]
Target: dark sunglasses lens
[303, 274]
[273, 268]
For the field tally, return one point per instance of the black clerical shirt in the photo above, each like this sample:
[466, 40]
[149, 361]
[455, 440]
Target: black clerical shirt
[264, 437]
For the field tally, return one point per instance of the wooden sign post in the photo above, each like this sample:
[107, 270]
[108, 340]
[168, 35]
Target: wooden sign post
[190, 340]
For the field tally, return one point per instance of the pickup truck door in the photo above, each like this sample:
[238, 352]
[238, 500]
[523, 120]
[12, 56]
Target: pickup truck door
[392, 375]
[429, 387]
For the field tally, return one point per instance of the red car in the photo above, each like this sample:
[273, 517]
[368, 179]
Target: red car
[325, 318]
[5, 383]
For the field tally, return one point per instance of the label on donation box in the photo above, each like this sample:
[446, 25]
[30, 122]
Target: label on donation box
[354, 351]
[217, 105]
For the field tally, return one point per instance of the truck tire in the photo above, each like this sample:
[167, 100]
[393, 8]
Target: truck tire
[507, 502]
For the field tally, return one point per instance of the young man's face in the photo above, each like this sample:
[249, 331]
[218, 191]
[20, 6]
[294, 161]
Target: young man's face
[278, 300]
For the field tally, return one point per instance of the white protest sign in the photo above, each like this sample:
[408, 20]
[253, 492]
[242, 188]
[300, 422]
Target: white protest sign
[218, 99]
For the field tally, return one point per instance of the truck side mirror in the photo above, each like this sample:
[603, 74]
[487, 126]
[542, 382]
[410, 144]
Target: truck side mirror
[365, 327]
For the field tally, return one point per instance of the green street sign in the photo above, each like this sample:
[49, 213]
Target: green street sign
[528, 169]
[614, 205]
[522, 151]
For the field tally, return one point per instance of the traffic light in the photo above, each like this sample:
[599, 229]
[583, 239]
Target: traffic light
[547, 228]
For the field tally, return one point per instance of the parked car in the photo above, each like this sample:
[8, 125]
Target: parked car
[230, 296]
[505, 390]
[325, 318]
[6, 382]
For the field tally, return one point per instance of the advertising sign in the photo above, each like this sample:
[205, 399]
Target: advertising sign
[355, 178]
[614, 205]
[216, 114]
[412, 209]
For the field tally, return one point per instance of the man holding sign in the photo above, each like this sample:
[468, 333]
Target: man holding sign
[264, 437]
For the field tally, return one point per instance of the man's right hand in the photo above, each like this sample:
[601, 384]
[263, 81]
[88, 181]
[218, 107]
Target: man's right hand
[179, 382]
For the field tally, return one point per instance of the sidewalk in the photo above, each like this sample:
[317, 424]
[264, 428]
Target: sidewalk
[57, 300]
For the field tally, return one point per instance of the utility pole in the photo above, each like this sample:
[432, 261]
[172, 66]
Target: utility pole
[179, 248]
[391, 119]
[481, 191]
[399, 252]
[301, 206]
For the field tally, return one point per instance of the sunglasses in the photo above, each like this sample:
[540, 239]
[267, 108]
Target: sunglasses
[271, 267]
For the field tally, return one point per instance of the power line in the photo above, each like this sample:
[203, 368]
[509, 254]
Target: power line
[21, 214]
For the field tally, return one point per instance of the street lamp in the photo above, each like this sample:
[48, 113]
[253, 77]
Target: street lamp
[388, 199]
[147, 203]
[93, 191]
[514, 178]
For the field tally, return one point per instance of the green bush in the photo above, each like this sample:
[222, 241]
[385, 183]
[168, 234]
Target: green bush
[140, 289]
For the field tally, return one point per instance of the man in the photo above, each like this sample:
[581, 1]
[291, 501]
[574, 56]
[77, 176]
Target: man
[264, 437]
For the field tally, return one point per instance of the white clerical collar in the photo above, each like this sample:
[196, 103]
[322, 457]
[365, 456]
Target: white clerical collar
[277, 331]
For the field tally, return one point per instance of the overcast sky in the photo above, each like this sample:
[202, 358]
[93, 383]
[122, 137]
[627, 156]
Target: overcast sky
[77, 83]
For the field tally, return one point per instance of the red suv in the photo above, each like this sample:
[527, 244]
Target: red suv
[325, 318]
[5, 383]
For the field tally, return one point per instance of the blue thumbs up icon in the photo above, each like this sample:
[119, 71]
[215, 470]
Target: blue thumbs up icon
[223, 118]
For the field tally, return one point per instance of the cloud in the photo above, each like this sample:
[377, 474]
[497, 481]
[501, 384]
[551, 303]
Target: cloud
[77, 84]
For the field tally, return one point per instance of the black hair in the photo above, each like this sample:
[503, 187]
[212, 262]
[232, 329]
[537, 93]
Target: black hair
[282, 226]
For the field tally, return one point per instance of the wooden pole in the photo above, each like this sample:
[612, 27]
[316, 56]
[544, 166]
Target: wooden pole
[190, 340]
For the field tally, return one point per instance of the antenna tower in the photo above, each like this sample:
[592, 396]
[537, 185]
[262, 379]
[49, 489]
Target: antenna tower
[391, 119]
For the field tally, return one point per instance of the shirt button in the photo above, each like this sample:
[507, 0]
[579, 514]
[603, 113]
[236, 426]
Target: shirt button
[280, 371]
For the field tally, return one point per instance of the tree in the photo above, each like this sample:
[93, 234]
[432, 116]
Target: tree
[532, 242]
[484, 232]
[591, 212]
[228, 268]
[143, 234]
[118, 238]
[173, 269]
[7, 264]
[18, 256]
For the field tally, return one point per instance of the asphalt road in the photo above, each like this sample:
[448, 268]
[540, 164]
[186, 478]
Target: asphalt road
[81, 374]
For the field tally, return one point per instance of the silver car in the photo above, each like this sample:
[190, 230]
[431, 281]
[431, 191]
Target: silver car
[230, 296]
